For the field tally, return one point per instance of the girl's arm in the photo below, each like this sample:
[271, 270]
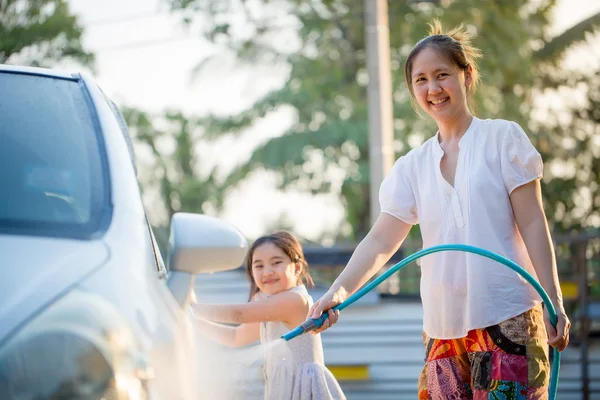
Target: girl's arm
[230, 336]
[382, 241]
[530, 218]
[288, 307]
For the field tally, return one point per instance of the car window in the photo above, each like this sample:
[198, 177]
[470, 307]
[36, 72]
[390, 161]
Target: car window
[52, 175]
[160, 264]
[124, 129]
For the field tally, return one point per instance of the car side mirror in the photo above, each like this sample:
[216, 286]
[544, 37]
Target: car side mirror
[201, 244]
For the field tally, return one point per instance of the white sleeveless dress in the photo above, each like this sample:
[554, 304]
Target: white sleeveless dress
[296, 370]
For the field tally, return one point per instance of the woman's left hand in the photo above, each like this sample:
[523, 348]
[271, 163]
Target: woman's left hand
[558, 337]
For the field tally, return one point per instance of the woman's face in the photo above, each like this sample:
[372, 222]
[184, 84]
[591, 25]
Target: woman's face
[440, 87]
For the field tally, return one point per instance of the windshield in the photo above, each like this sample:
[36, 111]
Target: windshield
[51, 177]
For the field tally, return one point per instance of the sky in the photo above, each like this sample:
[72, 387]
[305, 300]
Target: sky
[145, 59]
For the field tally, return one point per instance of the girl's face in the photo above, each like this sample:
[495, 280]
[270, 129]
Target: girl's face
[273, 270]
[440, 87]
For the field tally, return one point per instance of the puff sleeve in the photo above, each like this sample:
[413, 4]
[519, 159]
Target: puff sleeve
[520, 161]
[396, 196]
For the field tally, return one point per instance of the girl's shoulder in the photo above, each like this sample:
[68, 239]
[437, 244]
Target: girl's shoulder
[295, 294]
[301, 290]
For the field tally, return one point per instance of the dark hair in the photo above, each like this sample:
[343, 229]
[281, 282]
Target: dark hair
[290, 246]
[454, 45]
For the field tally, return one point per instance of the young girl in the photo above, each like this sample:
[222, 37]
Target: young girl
[278, 302]
[475, 182]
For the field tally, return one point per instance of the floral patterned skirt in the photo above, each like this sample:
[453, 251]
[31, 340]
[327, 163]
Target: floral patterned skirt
[508, 361]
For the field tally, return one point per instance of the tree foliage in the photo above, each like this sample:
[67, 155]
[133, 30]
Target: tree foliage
[168, 162]
[40, 33]
[327, 82]
[570, 140]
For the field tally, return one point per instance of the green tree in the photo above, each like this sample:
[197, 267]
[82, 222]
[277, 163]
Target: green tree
[572, 195]
[40, 33]
[326, 86]
[168, 167]
[168, 162]
[568, 133]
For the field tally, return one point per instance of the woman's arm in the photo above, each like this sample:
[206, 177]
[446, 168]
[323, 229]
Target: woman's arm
[372, 253]
[530, 218]
[230, 336]
[288, 307]
[382, 241]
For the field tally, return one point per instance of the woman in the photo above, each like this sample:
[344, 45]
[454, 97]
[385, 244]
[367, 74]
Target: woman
[476, 182]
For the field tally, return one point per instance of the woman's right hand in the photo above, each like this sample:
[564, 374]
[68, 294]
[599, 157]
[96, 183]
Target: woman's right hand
[329, 300]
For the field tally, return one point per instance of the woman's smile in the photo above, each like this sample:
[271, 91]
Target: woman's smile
[438, 103]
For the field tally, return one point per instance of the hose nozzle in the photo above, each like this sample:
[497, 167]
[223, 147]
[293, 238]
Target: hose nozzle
[309, 325]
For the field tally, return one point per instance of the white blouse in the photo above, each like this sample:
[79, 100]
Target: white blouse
[463, 291]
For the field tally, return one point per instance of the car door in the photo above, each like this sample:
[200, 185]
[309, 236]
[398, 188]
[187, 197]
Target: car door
[174, 355]
[174, 351]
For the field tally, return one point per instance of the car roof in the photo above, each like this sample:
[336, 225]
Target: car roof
[52, 73]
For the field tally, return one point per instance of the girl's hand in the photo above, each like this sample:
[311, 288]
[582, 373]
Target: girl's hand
[329, 300]
[558, 337]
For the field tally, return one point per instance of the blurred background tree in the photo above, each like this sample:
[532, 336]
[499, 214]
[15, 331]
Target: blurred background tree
[567, 127]
[40, 33]
[170, 167]
[326, 88]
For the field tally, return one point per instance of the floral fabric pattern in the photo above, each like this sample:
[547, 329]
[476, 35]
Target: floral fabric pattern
[508, 361]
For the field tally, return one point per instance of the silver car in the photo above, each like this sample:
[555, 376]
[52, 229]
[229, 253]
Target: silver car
[88, 309]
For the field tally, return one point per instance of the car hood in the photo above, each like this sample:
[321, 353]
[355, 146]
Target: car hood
[36, 271]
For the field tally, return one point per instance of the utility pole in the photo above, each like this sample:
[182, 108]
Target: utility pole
[381, 118]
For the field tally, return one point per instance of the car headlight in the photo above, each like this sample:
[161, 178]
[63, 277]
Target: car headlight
[79, 348]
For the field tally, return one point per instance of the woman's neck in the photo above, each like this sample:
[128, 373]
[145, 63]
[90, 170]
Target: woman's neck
[455, 129]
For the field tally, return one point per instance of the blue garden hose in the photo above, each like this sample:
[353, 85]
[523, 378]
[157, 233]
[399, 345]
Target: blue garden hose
[312, 324]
